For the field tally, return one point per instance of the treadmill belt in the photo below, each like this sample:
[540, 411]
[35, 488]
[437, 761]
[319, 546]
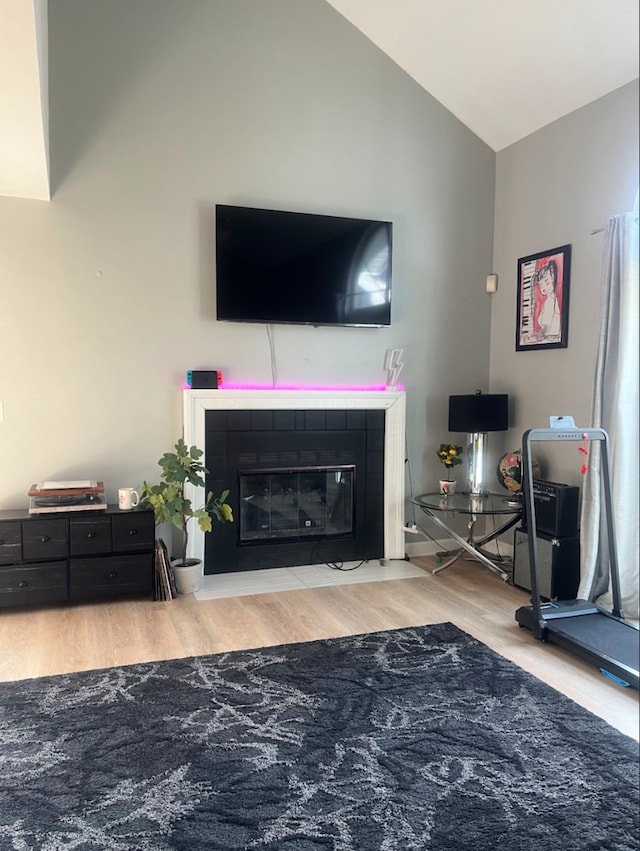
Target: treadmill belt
[602, 635]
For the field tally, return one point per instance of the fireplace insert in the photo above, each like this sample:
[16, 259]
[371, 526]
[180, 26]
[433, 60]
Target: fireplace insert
[291, 504]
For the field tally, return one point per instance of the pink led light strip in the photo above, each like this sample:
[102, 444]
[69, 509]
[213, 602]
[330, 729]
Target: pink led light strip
[378, 388]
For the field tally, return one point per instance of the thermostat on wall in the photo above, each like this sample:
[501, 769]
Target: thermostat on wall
[204, 379]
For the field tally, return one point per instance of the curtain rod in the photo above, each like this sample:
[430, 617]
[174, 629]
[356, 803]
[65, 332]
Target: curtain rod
[600, 230]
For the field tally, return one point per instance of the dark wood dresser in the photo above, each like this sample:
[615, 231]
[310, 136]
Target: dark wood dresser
[75, 556]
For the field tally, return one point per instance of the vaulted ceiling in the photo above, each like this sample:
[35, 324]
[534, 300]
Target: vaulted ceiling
[505, 68]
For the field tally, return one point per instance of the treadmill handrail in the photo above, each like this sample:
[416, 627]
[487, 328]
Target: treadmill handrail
[563, 435]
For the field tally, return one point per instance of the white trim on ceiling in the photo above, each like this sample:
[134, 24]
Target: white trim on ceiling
[24, 97]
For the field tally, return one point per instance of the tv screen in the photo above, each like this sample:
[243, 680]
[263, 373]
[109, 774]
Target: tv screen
[275, 266]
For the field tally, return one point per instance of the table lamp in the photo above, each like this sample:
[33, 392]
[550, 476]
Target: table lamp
[478, 414]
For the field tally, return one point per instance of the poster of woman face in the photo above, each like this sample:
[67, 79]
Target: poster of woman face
[543, 300]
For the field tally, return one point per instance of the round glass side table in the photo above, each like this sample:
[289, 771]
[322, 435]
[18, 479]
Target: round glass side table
[437, 507]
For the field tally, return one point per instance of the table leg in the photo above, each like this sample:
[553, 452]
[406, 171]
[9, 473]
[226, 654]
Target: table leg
[499, 531]
[467, 545]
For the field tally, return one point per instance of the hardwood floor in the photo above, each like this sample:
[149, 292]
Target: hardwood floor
[44, 641]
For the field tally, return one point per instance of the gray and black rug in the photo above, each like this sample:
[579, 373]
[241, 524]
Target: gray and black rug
[417, 738]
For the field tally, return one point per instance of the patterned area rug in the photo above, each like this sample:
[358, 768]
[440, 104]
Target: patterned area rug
[417, 738]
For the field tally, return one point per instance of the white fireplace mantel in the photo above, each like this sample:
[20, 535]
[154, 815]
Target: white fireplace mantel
[197, 402]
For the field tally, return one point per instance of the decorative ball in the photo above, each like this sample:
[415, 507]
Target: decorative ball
[509, 471]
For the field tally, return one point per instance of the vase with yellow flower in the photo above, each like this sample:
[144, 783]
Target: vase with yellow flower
[450, 455]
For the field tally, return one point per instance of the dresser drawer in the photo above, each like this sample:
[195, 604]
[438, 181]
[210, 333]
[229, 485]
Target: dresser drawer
[132, 530]
[44, 539]
[110, 576]
[10, 542]
[88, 536]
[42, 583]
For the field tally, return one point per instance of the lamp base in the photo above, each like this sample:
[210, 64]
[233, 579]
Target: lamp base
[477, 463]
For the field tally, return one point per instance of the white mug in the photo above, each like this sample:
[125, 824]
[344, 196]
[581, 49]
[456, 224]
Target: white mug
[127, 498]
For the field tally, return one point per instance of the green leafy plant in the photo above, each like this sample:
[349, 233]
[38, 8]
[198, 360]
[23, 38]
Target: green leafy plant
[168, 501]
[450, 455]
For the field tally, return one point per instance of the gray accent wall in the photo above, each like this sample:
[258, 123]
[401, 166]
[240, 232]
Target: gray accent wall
[160, 109]
[554, 188]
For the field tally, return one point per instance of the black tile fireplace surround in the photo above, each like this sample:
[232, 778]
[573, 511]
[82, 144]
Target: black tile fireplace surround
[238, 442]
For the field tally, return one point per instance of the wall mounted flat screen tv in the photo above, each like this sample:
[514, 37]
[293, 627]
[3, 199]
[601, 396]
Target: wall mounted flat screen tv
[275, 266]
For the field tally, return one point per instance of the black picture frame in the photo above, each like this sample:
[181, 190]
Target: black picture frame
[543, 300]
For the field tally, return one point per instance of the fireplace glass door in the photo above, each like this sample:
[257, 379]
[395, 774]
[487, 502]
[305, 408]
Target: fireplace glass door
[290, 504]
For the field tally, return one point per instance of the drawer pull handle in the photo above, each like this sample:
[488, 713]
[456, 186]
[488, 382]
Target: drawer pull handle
[44, 539]
[113, 574]
[22, 584]
[91, 534]
[133, 531]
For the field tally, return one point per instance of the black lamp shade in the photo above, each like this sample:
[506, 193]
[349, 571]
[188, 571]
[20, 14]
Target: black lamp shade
[478, 412]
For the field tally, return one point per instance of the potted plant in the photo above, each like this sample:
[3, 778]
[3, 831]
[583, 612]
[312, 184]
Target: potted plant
[450, 455]
[168, 501]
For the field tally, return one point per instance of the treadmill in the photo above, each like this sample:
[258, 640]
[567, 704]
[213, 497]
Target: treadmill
[599, 637]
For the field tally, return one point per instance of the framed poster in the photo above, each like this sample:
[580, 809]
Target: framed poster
[543, 300]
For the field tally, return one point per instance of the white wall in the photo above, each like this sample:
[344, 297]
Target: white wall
[160, 109]
[554, 188]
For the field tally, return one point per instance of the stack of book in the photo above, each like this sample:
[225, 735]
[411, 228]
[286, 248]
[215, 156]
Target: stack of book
[83, 495]
[165, 583]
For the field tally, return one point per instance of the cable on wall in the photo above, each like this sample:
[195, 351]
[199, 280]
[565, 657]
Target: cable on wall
[272, 353]
[407, 462]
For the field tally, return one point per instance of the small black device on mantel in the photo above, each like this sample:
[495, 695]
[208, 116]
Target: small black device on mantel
[276, 266]
[204, 379]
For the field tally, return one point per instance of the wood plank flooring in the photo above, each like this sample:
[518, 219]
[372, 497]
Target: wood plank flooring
[63, 639]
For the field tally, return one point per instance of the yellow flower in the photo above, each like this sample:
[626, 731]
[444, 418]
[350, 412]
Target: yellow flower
[449, 454]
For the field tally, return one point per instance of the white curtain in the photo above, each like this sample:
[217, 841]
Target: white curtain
[615, 409]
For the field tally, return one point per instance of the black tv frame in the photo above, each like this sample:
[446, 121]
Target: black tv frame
[295, 268]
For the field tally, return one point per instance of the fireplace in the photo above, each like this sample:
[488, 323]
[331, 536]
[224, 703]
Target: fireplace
[314, 475]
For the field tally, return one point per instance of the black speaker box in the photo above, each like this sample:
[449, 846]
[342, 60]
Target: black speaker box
[558, 561]
[556, 507]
